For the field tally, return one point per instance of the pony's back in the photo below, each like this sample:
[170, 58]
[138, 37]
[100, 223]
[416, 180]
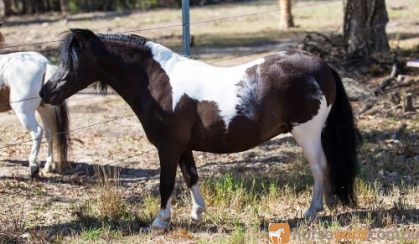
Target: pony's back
[23, 70]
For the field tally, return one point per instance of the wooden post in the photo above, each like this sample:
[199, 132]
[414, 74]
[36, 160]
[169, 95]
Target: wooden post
[286, 20]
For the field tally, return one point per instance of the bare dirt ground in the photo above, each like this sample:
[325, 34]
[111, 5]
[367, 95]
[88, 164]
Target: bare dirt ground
[244, 191]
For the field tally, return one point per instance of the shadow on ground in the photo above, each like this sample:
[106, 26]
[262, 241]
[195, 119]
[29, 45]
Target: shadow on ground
[380, 218]
[83, 173]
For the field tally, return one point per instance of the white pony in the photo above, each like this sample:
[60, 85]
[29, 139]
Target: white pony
[22, 75]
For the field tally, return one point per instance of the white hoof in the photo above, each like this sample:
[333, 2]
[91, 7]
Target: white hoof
[49, 167]
[197, 212]
[159, 224]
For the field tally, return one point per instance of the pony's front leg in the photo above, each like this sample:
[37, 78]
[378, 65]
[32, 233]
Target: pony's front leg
[188, 168]
[29, 122]
[169, 159]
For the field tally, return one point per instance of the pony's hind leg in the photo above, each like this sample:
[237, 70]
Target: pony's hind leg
[308, 136]
[190, 173]
[29, 122]
[314, 154]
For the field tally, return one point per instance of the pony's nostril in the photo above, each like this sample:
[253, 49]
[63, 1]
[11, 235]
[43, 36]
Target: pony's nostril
[41, 93]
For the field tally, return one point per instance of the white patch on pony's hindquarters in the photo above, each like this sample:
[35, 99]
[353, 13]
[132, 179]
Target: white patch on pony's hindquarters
[313, 127]
[163, 218]
[201, 81]
[198, 203]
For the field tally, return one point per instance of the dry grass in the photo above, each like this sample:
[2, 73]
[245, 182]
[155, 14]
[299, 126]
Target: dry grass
[109, 203]
[12, 227]
[241, 205]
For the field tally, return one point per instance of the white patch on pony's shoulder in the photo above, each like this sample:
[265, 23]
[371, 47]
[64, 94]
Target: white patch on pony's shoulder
[160, 53]
[201, 81]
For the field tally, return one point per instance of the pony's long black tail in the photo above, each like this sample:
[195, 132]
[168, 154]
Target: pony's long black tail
[62, 136]
[339, 141]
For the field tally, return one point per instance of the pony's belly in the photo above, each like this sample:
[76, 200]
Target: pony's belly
[238, 138]
[230, 145]
[4, 99]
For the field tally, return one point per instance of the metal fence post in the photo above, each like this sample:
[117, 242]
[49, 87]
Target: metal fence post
[186, 30]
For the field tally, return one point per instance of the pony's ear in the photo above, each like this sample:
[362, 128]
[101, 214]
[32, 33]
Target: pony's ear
[83, 36]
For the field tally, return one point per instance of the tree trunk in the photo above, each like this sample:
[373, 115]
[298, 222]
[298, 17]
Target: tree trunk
[8, 7]
[364, 27]
[65, 6]
[286, 20]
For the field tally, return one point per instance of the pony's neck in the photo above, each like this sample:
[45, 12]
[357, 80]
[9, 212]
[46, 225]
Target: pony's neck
[124, 73]
[134, 73]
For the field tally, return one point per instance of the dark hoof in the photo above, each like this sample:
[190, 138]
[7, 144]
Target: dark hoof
[34, 172]
[331, 202]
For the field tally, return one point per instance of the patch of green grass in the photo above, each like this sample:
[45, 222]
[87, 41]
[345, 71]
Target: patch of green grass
[235, 192]
[367, 192]
[238, 235]
[101, 233]
[149, 208]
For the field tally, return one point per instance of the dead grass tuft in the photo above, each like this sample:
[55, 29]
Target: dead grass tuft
[110, 204]
[12, 227]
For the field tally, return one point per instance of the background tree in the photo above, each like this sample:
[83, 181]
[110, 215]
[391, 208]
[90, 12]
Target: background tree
[65, 5]
[7, 7]
[364, 27]
[286, 20]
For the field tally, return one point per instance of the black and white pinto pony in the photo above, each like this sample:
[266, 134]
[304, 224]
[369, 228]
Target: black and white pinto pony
[22, 75]
[185, 105]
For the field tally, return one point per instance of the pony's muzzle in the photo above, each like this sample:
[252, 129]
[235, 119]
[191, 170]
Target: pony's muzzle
[46, 93]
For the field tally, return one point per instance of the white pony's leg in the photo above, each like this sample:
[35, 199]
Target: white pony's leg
[29, 122]
[308, 136]
[46, 113]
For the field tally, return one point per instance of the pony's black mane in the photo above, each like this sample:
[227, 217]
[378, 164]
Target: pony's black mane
[130, 40]
[70, 48]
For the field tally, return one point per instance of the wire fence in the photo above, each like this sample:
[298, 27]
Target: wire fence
[228, 18]
[207, 21]
[231, 18]
[71, 130]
